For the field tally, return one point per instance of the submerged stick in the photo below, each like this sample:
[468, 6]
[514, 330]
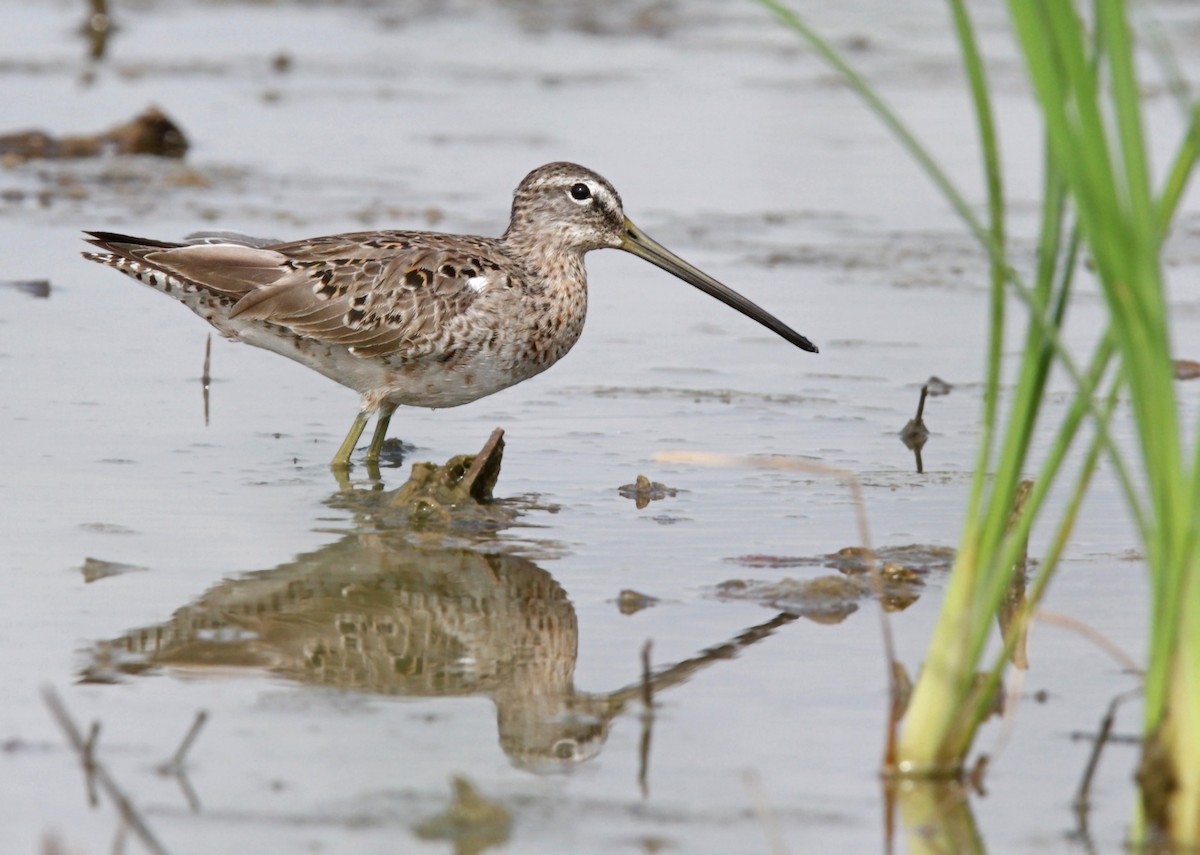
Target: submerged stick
[1083, 802]
[128, 813]
[89, 763]
[681, 672]
[647, 720]
[206, 375]
[175, 764]
[914, 434]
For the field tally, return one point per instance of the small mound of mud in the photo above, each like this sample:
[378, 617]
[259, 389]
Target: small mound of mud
[152, 132]
[643, 491]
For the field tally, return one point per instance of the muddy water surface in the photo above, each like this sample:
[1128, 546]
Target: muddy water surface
[162, 555]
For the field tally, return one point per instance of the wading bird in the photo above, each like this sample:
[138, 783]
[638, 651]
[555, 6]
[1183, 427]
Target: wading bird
[417, 318]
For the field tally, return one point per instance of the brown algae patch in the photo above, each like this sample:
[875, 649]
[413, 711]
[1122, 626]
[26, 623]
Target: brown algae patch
[830, 599]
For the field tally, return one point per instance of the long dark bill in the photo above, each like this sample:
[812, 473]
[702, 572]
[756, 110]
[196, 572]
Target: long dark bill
[640, 244]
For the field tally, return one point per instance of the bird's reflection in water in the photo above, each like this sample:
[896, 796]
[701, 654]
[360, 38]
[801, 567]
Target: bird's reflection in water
[373, 613]
[377, 612]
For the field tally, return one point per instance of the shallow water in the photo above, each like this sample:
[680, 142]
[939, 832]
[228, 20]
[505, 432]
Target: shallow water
[732, 146]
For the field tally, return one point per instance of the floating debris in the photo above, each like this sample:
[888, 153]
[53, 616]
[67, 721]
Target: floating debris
[643, 491]
[630, 601]
[919, 558]
[473, 822]
[39, 288]
[830, 599]
[106, 528]
[892, 572]
[151, 133]
[95, 569]
[826, 599]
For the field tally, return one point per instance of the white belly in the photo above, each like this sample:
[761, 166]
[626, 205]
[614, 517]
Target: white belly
[429, 382]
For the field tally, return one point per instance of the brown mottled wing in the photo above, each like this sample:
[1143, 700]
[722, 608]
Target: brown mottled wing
[229, 270]
[377, 293]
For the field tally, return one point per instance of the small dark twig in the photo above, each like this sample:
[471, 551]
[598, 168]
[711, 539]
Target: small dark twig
[206, 377]
[97, 28]
[1083, 802]
[647, 721]
[189, 793]
[128, 813]
[175, 766]
[89, 763]
[1113, 738]
[914, 434]
[920, 417]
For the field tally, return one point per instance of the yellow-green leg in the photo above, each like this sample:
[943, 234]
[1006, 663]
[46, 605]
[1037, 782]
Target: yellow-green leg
[381, 426]
[341, 460]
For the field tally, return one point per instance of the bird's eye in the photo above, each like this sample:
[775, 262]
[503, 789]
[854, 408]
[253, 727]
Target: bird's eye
[581, 192]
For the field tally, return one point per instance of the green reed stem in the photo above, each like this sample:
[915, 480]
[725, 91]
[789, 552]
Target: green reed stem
[1097, 167]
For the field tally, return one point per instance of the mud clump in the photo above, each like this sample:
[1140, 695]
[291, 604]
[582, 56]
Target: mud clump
[630, 602]
[437, 495]
[152, 133]
[643, 491]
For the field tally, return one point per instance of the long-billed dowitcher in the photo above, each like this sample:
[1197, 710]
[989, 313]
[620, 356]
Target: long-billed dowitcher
[417, 318]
